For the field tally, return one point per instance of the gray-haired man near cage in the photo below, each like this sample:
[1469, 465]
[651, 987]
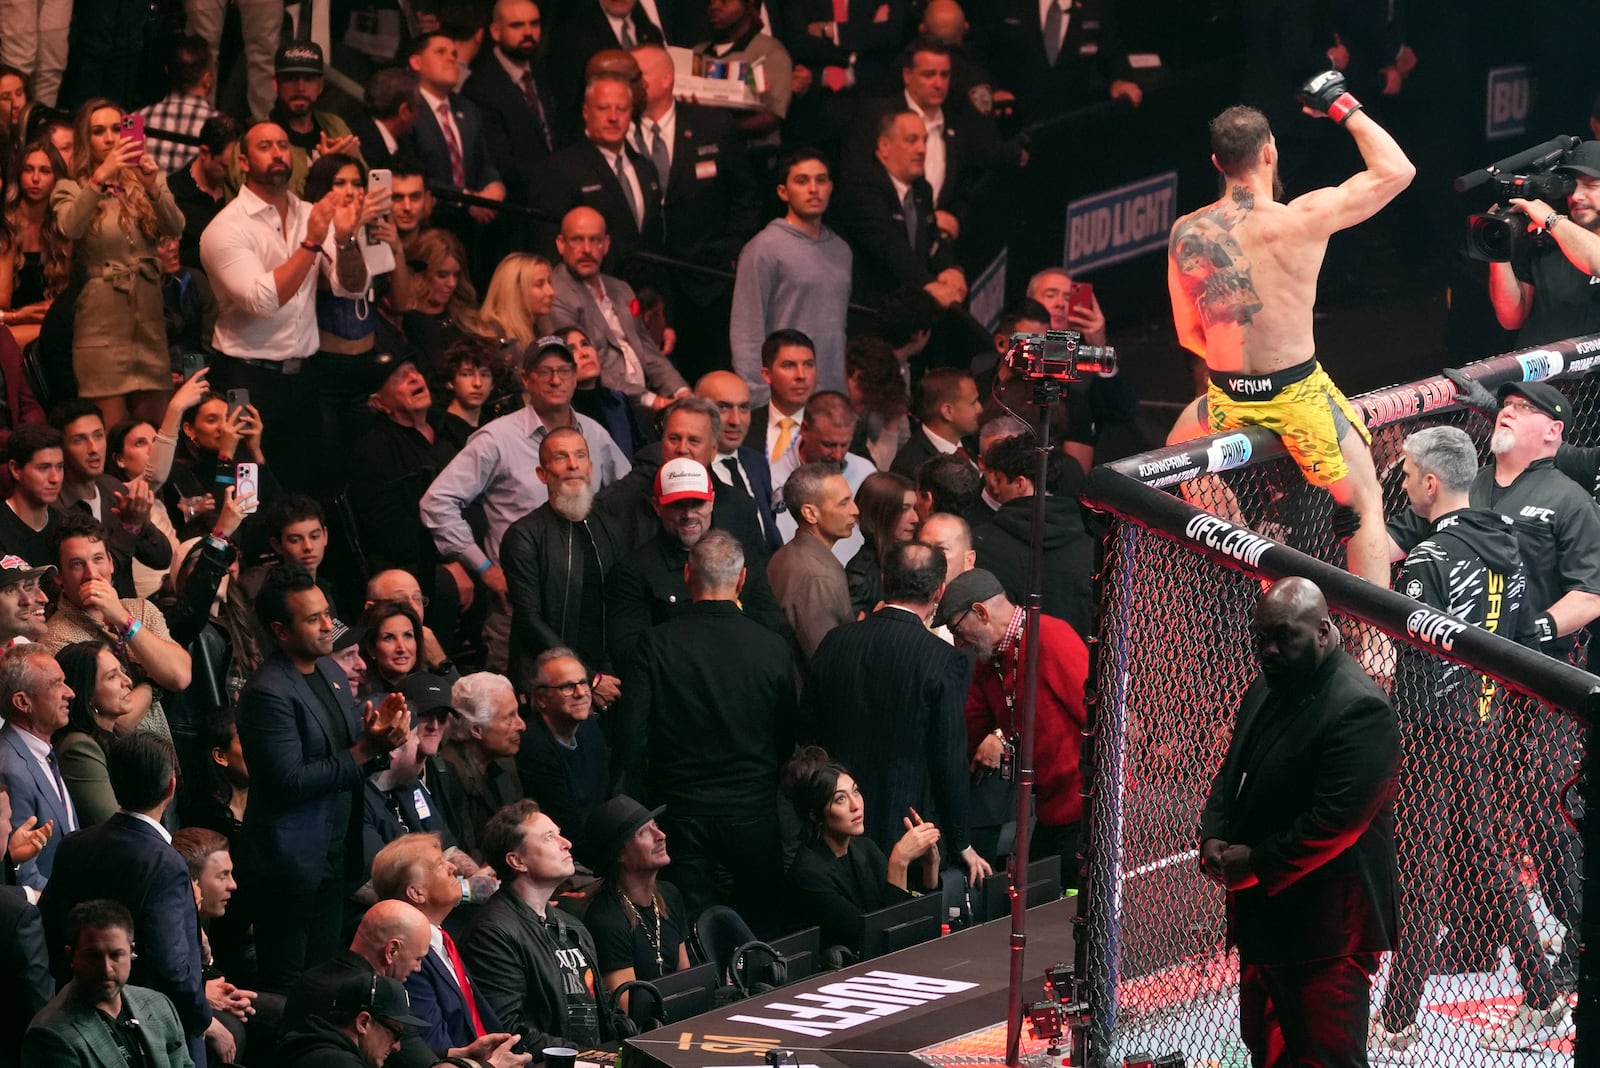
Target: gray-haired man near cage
[1449, 852]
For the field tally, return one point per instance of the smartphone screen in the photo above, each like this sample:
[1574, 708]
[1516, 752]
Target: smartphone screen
[133, 129]
[1080, 296]
[246, 483]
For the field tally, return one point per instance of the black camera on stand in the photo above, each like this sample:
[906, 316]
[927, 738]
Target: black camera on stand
[1060, 355]
[1498, 235]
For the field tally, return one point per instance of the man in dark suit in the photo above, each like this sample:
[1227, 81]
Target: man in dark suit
[962, 145]
[736, 465]
[947, 404]
[413, 869]
[1060, 57]
[152, 882]
[709, 201]
[518, 111]
[886, 698]
[703, 733]
[34, 698]
[1299, 826]
[449, 132]
[593, 26]
[389, 108]
[26, 985]
[72, 1032]
[861, 44]
[308, 750]
[884, 208]
[602, 172]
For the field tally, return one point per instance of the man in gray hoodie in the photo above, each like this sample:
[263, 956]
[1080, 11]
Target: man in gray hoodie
[794, 274]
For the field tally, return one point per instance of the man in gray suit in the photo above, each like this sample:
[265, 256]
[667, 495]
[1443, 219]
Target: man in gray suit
[605, 308]
[98, 1019]
[34, 697]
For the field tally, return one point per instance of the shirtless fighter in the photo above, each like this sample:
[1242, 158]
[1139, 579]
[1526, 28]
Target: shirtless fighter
[1243, 277]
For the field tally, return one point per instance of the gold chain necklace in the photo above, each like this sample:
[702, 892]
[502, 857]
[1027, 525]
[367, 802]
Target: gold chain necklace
[654, 939]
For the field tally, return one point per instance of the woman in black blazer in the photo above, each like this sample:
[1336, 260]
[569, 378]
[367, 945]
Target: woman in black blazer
[839, 875]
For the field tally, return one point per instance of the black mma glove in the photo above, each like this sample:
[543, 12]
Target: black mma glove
[1470, 393]
[1326, 93]
[1345, 522]
[1545, 629]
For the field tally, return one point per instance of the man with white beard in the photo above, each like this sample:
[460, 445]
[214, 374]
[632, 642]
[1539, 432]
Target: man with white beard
[556, 560]
[1556, 521]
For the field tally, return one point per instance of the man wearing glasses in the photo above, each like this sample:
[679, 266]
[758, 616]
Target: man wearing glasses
[496, 466]
[565, 759]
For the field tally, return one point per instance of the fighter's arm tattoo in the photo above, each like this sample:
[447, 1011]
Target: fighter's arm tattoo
[1214, 270]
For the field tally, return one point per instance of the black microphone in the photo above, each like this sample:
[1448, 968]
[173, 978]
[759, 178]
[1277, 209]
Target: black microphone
[1538, 154]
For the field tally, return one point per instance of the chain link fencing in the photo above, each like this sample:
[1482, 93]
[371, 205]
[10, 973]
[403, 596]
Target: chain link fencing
[1487, 864]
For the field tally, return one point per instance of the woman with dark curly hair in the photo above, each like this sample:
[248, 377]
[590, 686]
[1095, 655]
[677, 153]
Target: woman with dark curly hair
[839, 875]
[35, 256]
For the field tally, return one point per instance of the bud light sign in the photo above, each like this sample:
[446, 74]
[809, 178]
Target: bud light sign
[1121, 223]
[1510, 97]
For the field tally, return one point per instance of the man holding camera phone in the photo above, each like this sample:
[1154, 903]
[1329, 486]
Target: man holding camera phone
[1554, 292]
[1242, 273]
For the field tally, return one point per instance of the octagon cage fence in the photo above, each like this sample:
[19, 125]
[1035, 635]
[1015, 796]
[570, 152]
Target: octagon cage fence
[1489, 801]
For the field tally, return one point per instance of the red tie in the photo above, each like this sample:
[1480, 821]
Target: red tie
[466, 987]
[458, 169]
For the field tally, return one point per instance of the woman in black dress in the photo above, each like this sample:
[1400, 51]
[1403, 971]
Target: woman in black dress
[839, 875]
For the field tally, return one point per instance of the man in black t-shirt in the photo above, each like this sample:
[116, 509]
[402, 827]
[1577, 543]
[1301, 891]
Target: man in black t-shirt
[639, 922]
[36, 457]
[1553, 292]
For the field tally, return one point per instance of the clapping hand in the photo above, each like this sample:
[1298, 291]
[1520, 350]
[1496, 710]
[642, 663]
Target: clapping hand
[388, 725]
[133, 504]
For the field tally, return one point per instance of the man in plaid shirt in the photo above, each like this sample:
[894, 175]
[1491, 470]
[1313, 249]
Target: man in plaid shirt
[186, 106]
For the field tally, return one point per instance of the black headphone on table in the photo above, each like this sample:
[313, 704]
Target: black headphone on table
[777, 970]
[622, 1023]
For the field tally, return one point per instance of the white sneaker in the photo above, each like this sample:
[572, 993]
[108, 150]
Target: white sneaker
[1521, 1031]
[1388, 1045]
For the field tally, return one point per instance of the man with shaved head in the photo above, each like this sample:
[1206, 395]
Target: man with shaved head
[602, 306]
[1299, 828]
[736, 465]
[515, 100]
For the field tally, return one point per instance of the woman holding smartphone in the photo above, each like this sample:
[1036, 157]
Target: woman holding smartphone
[115, 208]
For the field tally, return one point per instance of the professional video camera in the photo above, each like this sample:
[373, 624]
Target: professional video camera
[1502, 232]
[1061, 355]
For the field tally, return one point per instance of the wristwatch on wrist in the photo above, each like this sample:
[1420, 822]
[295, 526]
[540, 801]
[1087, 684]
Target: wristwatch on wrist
[1551, 220]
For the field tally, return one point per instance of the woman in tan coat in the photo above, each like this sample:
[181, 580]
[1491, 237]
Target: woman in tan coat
[115, 207]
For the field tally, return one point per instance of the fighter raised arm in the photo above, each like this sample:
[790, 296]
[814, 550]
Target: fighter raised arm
[1242, 273]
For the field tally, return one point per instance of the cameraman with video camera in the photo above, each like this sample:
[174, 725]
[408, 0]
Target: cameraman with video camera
[1549, 288]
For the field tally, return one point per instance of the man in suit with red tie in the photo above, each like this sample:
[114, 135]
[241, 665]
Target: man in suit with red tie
[449, 133]
[518, 111]
[413, 868]
[602, 172]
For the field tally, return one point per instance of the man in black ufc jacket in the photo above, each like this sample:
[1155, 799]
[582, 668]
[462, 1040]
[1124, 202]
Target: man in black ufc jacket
[1469, 566]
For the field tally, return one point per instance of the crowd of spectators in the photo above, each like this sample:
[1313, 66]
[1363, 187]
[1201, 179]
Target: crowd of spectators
[433, 521]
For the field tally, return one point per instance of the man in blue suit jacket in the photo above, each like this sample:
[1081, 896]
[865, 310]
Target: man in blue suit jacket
[736, 464]
[413, 868]
[448, 135]
[151, 881]
[34, 697]
[307, 749]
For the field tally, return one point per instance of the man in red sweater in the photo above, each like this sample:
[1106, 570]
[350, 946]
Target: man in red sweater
[982, 618]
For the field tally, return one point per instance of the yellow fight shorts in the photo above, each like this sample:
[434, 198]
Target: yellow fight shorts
[1300, 404]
